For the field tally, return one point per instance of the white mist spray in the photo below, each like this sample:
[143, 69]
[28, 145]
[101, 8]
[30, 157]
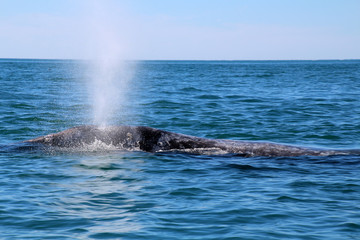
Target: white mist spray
[110, 74]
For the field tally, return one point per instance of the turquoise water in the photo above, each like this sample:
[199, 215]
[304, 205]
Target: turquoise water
[136, 195]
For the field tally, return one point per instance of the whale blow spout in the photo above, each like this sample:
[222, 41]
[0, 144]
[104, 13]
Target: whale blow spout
[140, 138]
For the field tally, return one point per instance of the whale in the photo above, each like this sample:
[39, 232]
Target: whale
[147, 139]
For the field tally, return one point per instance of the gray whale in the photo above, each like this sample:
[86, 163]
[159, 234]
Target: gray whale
[141, 138]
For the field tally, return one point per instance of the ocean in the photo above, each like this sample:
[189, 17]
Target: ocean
[140, 195]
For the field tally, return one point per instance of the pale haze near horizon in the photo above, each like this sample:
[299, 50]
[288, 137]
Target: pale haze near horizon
[181, 30]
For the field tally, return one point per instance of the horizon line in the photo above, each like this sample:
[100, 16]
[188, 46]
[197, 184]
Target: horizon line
[185, 60]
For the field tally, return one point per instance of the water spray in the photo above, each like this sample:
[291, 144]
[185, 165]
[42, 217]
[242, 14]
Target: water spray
[109, 72]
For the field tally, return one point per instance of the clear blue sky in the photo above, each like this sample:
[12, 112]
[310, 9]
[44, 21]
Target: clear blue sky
[181, 29]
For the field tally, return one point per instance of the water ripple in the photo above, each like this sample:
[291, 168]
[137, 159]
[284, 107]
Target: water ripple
[135, 195]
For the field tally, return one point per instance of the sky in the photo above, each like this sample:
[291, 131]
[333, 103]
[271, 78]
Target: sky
[180, 29]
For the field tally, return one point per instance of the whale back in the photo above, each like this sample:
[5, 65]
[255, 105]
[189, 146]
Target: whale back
[141, 138]
[123, 137]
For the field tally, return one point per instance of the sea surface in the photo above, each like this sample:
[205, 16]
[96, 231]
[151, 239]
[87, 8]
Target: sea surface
[138, 195]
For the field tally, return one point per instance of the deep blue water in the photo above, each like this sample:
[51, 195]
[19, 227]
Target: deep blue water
[136, 195]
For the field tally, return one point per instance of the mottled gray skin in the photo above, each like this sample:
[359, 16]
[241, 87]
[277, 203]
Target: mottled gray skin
[154, 140]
